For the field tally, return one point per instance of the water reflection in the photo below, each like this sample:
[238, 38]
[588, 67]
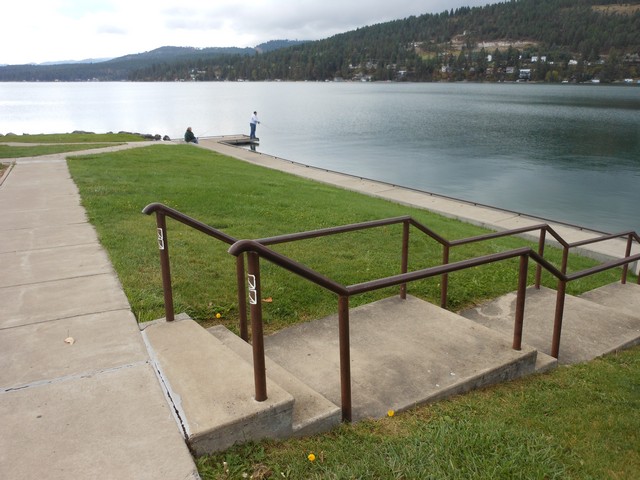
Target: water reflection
[564, 152]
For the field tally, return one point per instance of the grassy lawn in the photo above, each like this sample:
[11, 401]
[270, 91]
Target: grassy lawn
[246, 201]
[66, 138]
[47, 144]
[578, 422]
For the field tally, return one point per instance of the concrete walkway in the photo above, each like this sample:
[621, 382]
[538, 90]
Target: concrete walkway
[78, 395]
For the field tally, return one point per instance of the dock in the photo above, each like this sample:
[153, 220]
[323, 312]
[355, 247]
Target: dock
[238, 140]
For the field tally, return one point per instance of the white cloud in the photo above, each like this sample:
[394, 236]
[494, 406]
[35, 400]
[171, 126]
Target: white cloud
[51, 30]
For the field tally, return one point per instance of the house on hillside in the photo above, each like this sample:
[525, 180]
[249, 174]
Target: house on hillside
[536, 59]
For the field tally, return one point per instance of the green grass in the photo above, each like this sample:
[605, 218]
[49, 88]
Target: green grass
[62, 138]
[246, 201]
[47, 144]
[10, 151]
[578, 422]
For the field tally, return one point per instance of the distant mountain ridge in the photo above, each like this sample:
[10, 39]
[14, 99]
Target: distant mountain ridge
[516, 40]
[170, 51]
[119, 68]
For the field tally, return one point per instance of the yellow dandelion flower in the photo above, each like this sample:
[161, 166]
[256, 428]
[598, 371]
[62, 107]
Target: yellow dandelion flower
[391, 413]
[218, 315]
[311, 457]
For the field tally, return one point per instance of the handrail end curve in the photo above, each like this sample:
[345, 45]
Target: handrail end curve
[153, 207]
[241, 246]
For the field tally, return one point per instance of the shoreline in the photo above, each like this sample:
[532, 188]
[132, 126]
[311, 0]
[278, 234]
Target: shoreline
[489, 217]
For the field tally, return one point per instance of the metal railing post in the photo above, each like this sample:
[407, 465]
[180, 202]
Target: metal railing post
[565, 260]
[405, 256]
[522, 288]
[165, 268]
[242, 298]
[345, 357]
[257, 336]
[543, 234]
[625, 267]
[444, 281]
[557, 321]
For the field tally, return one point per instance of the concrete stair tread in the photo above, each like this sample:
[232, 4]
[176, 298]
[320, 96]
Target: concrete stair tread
[312, 413]
[589, 330]
[544, 362]
[403, 353]
[212, 388]
[621, 297]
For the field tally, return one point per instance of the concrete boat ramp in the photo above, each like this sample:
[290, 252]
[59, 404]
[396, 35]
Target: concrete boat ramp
[85, 394]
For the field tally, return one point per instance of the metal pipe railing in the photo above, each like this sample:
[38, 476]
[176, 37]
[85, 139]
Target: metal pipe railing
[190, 222]
[541, 244]
[290, 237]
[520, 300]
[162, 211]
[523, 253]
[393, 280]
[404, 266]
[256, 249]
[257, 339]
[165, 266]
[345, 357]
[298, 268]
[242, 298]
[248, 246]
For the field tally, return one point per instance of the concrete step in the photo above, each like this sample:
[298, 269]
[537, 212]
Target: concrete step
[211, 388]
[312, 413]
[403, 353]
[589, 329]
[620, 297]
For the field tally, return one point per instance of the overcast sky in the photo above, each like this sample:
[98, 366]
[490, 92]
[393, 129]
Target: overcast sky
[35, 31]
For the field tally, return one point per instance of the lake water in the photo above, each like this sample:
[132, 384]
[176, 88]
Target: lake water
[564, 152]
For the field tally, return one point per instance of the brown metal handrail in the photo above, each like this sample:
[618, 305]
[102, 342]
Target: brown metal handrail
[162, 211]
[566, 247]
[255, 249]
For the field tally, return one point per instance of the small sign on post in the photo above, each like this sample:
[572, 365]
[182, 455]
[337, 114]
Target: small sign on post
[160, 239]
[253, 294]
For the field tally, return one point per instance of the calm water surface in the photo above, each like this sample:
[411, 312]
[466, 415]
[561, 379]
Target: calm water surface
[564, 152]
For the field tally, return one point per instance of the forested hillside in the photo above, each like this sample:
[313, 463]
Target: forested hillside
[538, 40]
[552, 40]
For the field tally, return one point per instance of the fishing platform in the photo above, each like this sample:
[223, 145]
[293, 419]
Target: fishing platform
[238, 140]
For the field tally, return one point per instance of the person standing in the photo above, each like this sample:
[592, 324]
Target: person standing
[252, 123]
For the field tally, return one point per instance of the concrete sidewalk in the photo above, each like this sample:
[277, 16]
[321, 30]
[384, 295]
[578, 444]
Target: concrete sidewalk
[78, 395]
